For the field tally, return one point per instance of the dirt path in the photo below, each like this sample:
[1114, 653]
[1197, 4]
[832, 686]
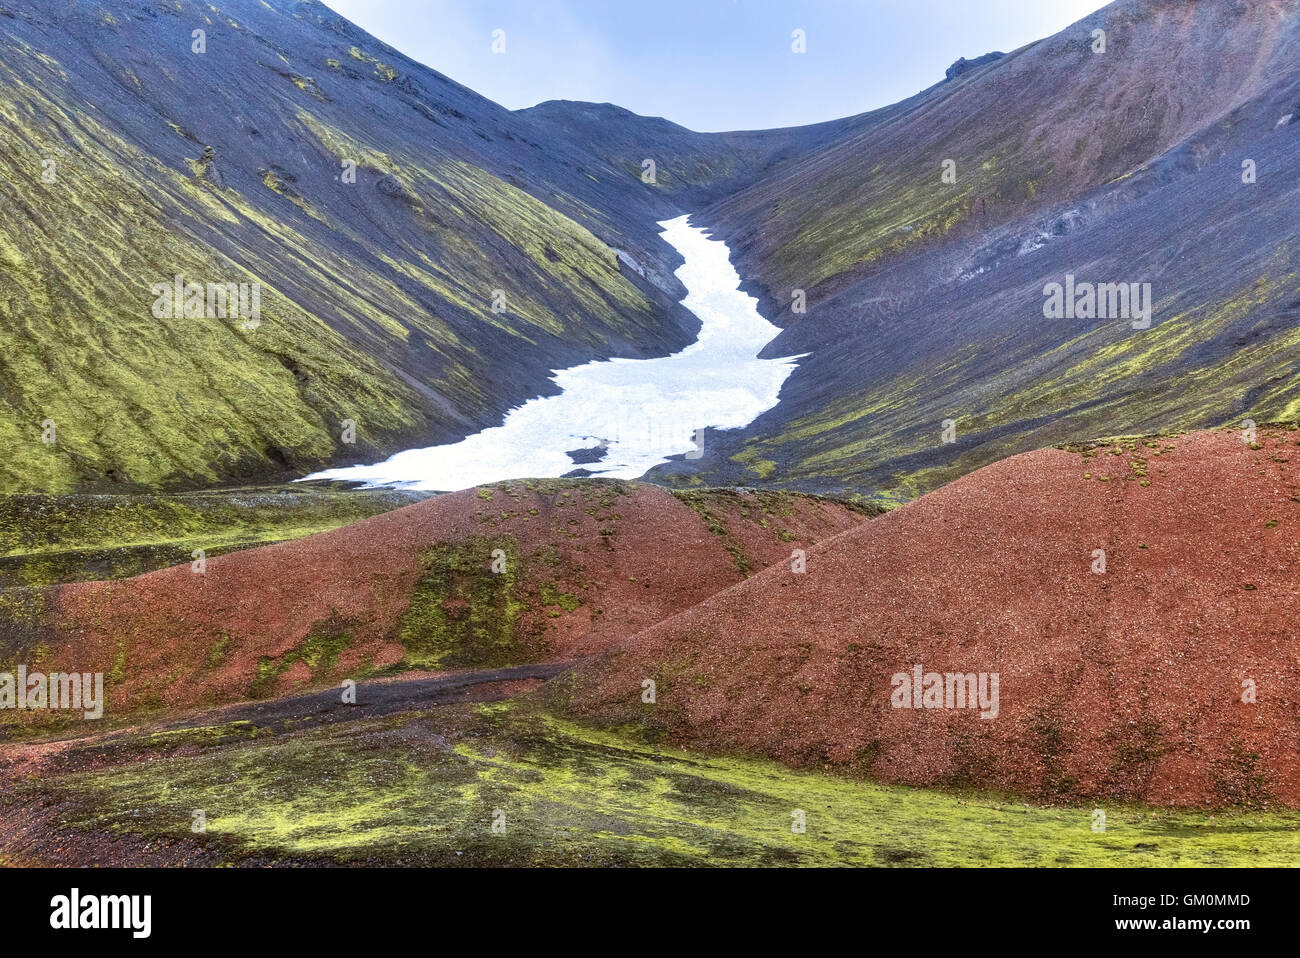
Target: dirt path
[288, 713]
[381, 697]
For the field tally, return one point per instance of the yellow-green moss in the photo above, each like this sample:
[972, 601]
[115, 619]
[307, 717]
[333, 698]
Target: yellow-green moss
[462, 613]
[426, 789]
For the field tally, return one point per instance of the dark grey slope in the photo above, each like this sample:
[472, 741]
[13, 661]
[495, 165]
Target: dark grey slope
[926, 304]
[691, 169]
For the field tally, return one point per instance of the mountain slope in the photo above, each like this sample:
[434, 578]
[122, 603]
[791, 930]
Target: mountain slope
[228, 166]
[1162, 669]
[925, 298]
[694, 169]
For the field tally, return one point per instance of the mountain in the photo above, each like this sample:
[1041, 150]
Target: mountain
[1134, 600]
[481, 248]
[1091, 236]
[377, 296]
[1167, 159]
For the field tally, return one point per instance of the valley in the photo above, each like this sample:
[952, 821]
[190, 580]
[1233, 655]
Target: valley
[428, 483]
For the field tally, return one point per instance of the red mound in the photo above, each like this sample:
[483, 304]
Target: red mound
[586, 562]
[1124, 684]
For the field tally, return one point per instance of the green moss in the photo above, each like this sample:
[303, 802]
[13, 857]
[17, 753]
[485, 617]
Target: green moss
[423, 789]
[550, 595]
[268, 674]
[1080, 387]
[117, 673]
[204, 735]
[872, 216]
[48, 539]
[462, 613]
[319, 651]
[217, 654]
[758, 506]
[699, 501]
[763, 468]
[179, 402]
[188, 403]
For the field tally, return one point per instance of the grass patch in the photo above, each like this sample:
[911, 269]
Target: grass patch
[425, 789]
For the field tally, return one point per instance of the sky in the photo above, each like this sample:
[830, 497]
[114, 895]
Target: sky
[708, 64]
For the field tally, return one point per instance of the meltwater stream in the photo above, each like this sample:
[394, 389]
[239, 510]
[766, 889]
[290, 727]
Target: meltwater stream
[631, 414]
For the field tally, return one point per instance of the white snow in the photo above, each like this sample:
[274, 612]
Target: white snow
[641, 410]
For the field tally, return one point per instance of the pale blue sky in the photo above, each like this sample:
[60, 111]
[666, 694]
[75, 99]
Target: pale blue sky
[708, 64]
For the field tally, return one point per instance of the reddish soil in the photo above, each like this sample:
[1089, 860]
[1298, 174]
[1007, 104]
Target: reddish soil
[1124, 685]
[631, 554]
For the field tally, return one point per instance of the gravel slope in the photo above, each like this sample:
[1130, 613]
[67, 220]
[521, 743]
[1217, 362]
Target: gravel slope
[1126, 684]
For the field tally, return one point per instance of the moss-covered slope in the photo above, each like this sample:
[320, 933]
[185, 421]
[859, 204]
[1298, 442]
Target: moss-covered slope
[424, 257]
[928, 350]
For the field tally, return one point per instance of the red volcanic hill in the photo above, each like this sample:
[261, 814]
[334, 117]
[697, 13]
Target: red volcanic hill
[1126, 684]
[578, 563]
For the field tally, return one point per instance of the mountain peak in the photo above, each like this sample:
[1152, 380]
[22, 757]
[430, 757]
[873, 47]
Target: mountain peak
[963, 65]
[588, 110]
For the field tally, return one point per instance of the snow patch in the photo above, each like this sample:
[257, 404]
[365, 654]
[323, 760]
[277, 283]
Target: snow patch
[637, 411]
